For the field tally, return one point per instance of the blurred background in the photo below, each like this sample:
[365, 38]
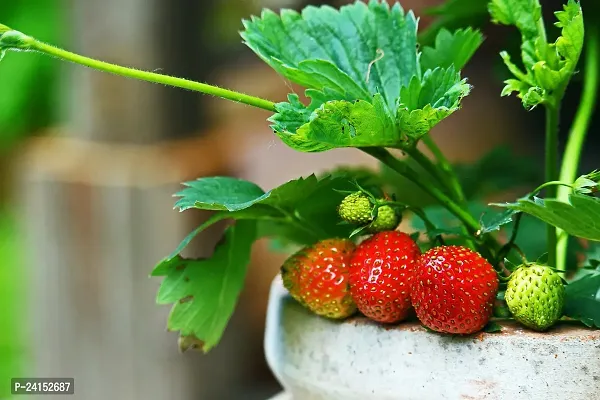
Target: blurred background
[89, 161]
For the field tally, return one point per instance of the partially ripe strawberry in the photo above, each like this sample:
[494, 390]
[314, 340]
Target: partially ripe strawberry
[454, 290]
[386, 220]
[317, 277]
[381, 271]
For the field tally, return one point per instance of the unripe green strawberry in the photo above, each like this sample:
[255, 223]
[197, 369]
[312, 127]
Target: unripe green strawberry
[386, 220]
[356, 209]
[317, 277]
[535, 296]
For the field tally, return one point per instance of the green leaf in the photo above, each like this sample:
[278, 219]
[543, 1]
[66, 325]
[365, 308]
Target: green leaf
[451, 49]
[492, 221]
[345, 124]
[339, 123]
[218, 193]
[321, 74]
[361, 67]
[526, 16]
[548, 66]
[428, 100]
[232, 194]
[205, 292]
[583, 300]
[587, 184]
[317, 218]
[418, 123]
[298, 212]
[454, 14]
[302, 211]
[579, 217]
[258, 213]
[570, 21]
[532, 240]
[371, 45]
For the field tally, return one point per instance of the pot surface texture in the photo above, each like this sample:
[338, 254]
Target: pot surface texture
[318, 359]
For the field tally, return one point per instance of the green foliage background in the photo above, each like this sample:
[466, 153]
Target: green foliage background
[28, 93]
[12, 287]
[28, 85]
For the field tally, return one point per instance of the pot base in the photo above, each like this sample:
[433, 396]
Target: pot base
[319, 359]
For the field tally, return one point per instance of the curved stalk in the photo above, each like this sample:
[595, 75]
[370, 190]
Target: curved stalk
[431, 168]
[571, 157]
[445, 173]
[421, 214]
[388, 159]
[446, 166]
[469, 223]
[15, 40]
[556, 184]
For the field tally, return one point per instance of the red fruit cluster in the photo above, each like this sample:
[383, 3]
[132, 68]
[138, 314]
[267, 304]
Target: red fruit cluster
[451, 288]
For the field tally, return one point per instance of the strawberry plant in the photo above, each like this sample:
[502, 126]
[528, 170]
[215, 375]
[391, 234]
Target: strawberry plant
[375, 83]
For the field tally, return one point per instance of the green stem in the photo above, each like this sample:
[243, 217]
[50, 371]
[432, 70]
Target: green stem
[428, 225]
[450, 175]
[511, 242]
[431, 168]
[550, 184]
[35, 45]
[421, 214]
[386, 158]
[572, 154]
[552, 121]
[470, 223]
[446, 167]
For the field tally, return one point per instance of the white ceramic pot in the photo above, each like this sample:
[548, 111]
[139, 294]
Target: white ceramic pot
[318, 359]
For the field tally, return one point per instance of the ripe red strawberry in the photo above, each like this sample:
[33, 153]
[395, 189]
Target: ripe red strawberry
[454, 290]
[317, 277]
[381, 271]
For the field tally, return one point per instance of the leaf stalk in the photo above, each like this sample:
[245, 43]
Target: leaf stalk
[444, 168]
[28, 43]
[577, 134]
[388, 159]
[551, 162]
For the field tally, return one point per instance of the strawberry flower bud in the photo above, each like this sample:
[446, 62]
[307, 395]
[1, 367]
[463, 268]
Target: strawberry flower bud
[13, 40]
